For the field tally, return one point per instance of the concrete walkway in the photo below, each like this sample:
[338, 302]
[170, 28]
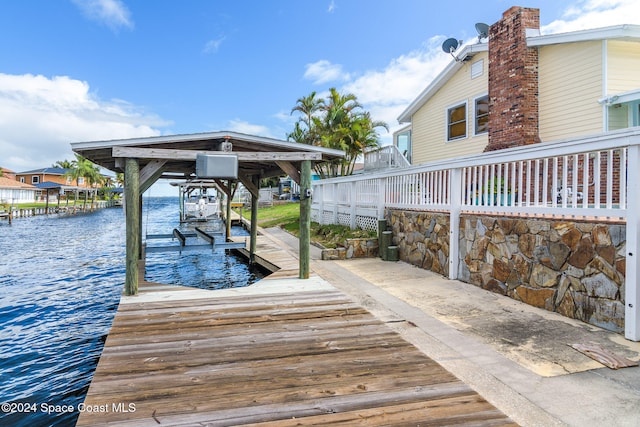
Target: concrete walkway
[516, 356]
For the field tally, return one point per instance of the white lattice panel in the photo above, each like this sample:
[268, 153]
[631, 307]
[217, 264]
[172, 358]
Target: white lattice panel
[367, 223]
[344, 219]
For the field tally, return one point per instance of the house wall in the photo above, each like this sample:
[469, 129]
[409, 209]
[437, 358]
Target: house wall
[429, 123]
[623, 63]
[60, 179]
[570, 84]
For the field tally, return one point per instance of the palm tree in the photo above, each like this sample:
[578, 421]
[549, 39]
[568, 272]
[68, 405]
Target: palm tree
[64, 164]
[338, 123]
[84, 168]
[363, 137]
[308, 106]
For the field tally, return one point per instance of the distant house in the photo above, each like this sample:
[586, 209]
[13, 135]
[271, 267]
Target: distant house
[522, 87]
[12, 191]
[52, 182]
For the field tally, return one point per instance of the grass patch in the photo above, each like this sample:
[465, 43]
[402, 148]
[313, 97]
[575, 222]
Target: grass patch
[287, 216]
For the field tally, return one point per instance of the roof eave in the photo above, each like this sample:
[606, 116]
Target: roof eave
[441, 79]
[276, 143]
[625, 31]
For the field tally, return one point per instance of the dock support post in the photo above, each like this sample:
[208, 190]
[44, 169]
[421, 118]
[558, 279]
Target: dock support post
[132, 221]
[228, 215]
[305, 217]
[254, 220]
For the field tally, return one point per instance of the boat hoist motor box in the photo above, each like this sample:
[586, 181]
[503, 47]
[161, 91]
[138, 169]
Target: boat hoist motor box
[223, 166]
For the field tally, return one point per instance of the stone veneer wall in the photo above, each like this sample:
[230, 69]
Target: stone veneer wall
[422, 238]
[574, 268]
[353, 248]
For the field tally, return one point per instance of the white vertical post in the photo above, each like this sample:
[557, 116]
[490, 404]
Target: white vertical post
[334, 191]
[455, 206]
[318, 194]
[632, 293]
[382, 190]
[354, 203]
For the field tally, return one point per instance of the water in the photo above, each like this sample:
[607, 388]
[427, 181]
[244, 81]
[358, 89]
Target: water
[203, 268]
[60, 282]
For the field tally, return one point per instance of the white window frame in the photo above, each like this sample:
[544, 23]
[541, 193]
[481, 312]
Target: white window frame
[475, 123]
[466, 120]
[35, 179]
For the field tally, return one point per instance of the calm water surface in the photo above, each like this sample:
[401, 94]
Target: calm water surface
[60, 282]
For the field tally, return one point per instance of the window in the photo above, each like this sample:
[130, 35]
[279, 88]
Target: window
[403, 142]
[481, 115]
[35, 179]
[457, 122]
[80, 181]
[22, 179]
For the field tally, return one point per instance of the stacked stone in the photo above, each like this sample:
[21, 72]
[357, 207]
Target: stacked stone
[422, 238]
[353, 248]
[574, 268]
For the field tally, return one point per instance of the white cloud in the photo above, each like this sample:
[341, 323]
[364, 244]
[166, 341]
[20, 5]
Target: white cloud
[332, 6]
[586, 14]
[324, 71]
[212, 46]
[387, 92]
[112, 13]
[40, 117]
[242, 126]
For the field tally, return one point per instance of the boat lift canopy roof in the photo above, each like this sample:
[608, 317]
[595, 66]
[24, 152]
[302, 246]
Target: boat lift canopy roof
[145, 160]
[257, 156]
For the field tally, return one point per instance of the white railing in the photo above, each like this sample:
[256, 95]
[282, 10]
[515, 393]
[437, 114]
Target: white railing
[387, 157]
[594, 178]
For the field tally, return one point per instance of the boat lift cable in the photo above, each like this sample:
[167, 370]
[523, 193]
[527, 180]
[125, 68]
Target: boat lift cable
[146, 225]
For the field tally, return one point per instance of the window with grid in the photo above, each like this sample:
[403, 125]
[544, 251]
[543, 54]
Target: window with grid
[457, 122]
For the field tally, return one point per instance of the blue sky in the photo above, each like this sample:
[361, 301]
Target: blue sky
[82, 70]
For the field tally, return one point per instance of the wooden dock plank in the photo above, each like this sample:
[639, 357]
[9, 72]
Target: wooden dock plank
[308, 358]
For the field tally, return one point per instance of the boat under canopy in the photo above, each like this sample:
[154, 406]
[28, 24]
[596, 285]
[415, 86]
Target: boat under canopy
[199, 200]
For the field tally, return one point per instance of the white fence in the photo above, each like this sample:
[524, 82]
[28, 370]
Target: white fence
[595, 178]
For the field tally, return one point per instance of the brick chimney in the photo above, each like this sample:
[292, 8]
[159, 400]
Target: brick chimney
[513, 80]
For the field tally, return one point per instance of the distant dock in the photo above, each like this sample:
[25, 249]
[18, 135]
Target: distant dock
[281, 352]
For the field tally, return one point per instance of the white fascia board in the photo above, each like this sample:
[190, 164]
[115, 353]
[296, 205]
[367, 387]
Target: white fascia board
[441, 79]
[626, 31]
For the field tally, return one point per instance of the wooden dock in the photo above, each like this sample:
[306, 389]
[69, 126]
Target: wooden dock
[283, 352]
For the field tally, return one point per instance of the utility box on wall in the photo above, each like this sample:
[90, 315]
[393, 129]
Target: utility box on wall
[223, 166]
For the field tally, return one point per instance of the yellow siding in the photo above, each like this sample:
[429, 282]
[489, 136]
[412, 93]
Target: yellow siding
[570, 79]
[623, 66]
[429, 133]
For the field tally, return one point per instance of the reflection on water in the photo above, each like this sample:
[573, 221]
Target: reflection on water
[60, 283]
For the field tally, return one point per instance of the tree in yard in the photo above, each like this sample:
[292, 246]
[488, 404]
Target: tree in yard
[64, 164]
[338, 122]
[87, 170]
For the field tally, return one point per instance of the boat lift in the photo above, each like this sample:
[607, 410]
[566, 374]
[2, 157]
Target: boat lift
[209, 237]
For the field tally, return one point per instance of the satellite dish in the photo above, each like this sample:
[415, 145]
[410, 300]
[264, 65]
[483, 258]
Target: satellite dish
[483, 30]
[450, 45]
